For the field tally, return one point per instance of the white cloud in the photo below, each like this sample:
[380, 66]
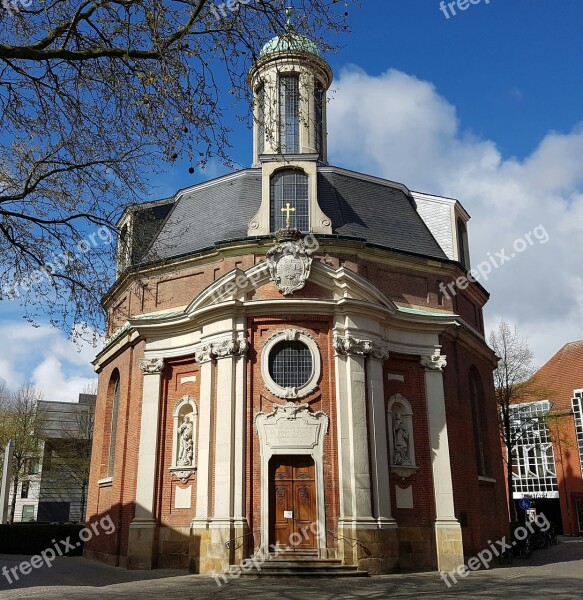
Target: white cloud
[48, 376]
[44, 356]
[402, 129]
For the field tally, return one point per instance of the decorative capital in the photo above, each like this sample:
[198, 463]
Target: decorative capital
[435, 361]
[221, 349]
[152, 366]
[203, 353]
[347, 344]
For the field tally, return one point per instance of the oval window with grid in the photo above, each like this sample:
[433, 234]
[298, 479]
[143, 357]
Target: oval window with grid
[290, 364]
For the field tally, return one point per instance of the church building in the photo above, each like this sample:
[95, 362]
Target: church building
[291, 365]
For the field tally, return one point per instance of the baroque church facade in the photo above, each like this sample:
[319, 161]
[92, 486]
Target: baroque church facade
[286, 366]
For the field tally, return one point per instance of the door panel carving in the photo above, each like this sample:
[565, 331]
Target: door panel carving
[294, 494]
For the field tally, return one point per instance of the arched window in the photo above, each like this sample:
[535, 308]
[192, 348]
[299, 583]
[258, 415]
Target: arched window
[462, 243]
[290, 187]
[123, 249]
[113, 392]
[319, 117]
[260, 120]
[289, 113]
[479, 420]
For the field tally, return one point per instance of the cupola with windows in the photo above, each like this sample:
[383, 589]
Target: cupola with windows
[289, 83]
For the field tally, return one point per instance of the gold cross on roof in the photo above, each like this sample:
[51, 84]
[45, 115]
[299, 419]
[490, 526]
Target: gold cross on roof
[288, 209]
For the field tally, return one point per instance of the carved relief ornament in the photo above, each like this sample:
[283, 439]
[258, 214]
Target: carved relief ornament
[435, 361]
[152, 366]
[348, 344]
[289, 263]
[221, 349]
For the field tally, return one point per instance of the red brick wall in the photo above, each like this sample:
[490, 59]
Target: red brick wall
[484, 503]
[118, 498]
[172, 392]
[260, 399]
[413, 388]
[406, 285]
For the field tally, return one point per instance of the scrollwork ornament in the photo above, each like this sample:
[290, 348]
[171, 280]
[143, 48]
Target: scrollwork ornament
[435, 361]
[152, 366]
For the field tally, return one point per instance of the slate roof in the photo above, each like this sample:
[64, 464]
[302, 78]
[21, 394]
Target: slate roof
[220, 210]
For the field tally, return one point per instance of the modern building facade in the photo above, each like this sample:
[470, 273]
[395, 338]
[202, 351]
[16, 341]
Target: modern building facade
[54, 484]
[287, 366]
[549, 455]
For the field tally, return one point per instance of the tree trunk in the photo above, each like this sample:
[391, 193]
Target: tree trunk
[83, 496]
[13, 503]
[510, 463]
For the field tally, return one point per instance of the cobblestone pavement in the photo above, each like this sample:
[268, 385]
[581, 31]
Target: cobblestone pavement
[555, 572]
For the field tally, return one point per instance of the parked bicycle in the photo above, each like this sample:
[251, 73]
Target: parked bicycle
[522, 546]
[540, 538]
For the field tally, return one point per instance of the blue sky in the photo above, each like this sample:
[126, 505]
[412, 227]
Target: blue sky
[485, 106]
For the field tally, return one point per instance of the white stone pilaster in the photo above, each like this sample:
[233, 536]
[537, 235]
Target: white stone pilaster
[356, 503]
[142, 535]
[229, 426]
[378, 439]
[204, 468]
[447, 528]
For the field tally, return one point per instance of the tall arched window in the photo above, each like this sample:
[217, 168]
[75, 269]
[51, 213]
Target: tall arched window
[260, 120]
[462, 243]
[289, 113]
[112, 412]
[479, 420]
[319, 117]
[123, 250]
[290, 187]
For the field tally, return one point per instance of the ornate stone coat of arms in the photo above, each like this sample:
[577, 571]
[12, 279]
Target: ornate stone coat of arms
[289, 261]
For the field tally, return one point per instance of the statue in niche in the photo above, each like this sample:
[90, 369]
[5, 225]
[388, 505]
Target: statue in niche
[400, 442]
[186, 431]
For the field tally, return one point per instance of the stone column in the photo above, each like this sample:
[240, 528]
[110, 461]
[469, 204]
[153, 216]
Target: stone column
[5, 484]
[142, 542]
[199, 534]
[378, 437]
[365, 506]
[356, 494]
[448, 535]
[220, 518]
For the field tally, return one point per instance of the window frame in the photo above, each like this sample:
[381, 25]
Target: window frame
[289, 114]
[300, 219]
[291, 392]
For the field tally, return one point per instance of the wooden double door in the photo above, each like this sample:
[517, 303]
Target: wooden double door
[292, 502]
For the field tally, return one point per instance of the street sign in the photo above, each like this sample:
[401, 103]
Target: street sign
[525, 503]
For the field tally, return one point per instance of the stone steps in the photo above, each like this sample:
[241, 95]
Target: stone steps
[306, 565]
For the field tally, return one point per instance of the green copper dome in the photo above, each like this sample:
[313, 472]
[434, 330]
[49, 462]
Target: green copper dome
[290, 42]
